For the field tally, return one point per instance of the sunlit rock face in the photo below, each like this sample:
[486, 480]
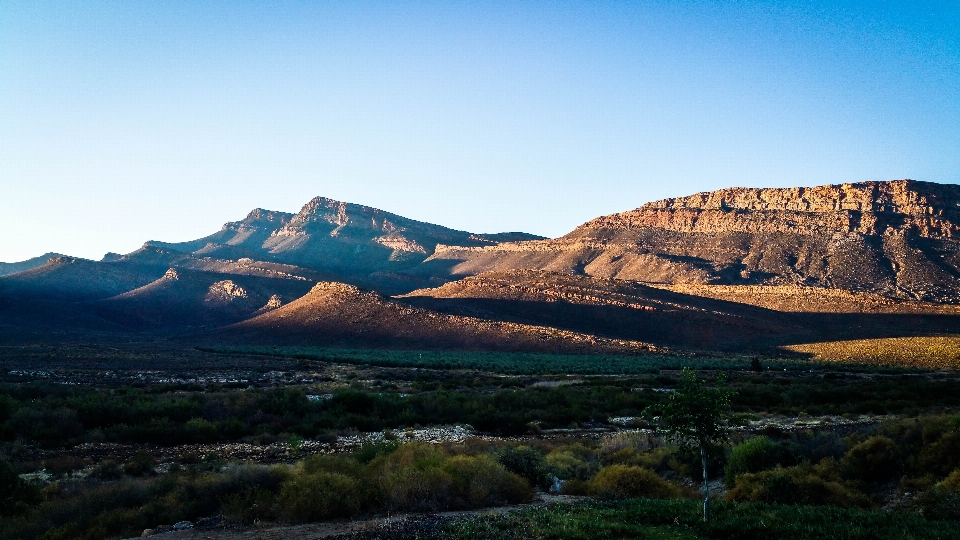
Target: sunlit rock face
[897, 238]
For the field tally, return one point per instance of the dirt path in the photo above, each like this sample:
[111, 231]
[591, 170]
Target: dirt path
[395, 526]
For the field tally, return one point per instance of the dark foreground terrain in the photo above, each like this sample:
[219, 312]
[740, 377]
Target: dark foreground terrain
[109, 441]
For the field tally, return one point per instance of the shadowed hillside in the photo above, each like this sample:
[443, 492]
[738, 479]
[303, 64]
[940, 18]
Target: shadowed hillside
[629, 310]
[29, 264]
[187, 298]
[342, 315]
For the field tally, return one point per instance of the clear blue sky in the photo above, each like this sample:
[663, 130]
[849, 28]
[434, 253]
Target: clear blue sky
[127, 121]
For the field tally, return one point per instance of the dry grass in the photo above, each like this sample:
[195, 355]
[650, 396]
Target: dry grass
[939, 352]
[799, 299]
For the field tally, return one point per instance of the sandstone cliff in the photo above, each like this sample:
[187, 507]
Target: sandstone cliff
[897, 238]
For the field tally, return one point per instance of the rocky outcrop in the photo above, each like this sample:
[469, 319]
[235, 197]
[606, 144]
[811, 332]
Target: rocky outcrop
[900, 239]
[870, 208]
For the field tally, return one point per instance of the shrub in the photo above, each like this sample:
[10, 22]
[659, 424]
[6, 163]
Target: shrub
[567, 465]
[411, 478]
[803, 484]
[942, 501]
[107, 469]
[755, 455]
[873, 461]
[16, 496]
[481, 481]
[251, 505]
[421, 477]
[63, 465]
[941, 454]
[317, 496]
[622, 482]
[425, 489]
[141, 464]
[526, 462]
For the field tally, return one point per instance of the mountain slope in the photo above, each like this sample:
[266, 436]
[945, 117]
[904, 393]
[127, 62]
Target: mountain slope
[341, 315]
[608, 307]
[187, 298]
[714, 317]
[357, 244]
[29, 264]
[74, 279]
[900, 239]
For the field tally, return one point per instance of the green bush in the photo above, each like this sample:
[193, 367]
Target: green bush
[942, 501]
[318, 496]
[941, 446]
[875, 460]
[251, 505]
[803, 484]
[622, 482]
[480, 481]
[141, 464]
[526, 462]
[756, 455]
[568, 463]
[421, 477]
[16, 496]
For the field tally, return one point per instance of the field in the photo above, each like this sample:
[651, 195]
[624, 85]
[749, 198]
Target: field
[542, 363]
[941, 352]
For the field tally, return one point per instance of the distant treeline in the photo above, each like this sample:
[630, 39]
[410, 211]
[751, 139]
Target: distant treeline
[518, 363]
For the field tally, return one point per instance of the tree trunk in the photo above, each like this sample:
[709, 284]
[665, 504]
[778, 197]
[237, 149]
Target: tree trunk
[706, 485]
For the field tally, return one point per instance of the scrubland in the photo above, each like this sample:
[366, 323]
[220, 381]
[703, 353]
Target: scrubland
[828, 451]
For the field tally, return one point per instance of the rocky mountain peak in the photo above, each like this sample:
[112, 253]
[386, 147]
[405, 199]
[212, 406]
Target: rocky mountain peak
[258, 218]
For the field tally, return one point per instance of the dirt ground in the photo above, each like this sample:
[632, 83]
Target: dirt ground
[395, 526]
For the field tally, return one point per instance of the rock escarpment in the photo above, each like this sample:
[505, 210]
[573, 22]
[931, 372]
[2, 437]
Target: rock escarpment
[900, 239]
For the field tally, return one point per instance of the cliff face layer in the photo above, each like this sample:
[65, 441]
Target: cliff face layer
[900, 239]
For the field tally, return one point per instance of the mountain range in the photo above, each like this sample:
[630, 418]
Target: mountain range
[736, 269]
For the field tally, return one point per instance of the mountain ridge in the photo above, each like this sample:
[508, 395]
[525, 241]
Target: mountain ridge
[895, 238]
[734, 269]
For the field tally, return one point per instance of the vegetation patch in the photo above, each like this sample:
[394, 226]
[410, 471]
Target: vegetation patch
[517, 363]
[680, 520]
[939, 352]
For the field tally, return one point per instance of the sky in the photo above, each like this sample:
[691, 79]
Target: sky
[127, 121]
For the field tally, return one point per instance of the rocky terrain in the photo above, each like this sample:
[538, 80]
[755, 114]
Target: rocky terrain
[897, 239]
[363, 245]
[190, 298]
